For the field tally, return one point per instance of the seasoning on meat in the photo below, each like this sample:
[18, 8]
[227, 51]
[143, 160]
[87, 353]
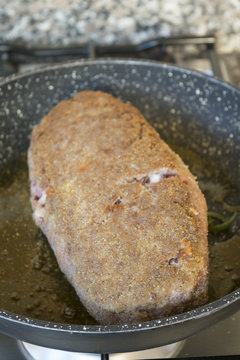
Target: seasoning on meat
[123, 214]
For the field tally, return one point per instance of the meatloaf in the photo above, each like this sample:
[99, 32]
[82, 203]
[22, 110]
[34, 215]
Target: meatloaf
[123, 214]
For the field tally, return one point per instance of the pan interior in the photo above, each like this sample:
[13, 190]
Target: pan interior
[190, 116]
[32, 284]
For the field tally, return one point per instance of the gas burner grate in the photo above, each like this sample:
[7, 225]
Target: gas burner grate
[177, 50]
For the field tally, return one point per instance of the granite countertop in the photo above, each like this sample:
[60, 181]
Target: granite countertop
[71, 22]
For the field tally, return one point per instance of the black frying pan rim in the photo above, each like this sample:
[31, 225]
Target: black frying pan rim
[194, 314]
[71, 63]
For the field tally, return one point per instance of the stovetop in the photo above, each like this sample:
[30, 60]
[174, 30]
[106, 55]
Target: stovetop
[222, 339]
[198, 53]
[194, 52]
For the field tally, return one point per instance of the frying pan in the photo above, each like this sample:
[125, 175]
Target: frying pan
[196, 114]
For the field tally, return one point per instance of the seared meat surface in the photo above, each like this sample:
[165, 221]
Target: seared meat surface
[123, 214]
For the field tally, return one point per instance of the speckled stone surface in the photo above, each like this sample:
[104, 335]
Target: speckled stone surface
[67, 22]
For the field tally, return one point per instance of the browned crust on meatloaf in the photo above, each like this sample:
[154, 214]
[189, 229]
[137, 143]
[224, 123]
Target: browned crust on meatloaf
[123, 214]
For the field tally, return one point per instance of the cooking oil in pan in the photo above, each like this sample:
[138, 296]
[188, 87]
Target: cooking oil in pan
[224, 247]
[31, 283]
